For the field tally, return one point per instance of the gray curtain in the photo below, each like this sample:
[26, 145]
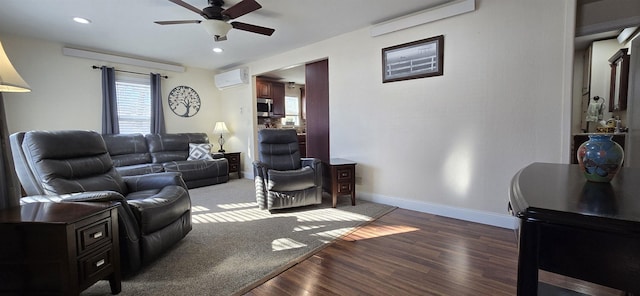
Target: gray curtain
[157, 115]
[109, 102]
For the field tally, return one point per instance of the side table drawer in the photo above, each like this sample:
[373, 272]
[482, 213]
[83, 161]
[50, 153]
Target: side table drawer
[93, 235]
[91, 266]
[344, 174]
[344, 188]
[233, 158]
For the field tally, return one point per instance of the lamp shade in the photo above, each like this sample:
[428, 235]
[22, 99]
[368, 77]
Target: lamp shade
[220, 128]
[10, 80]
[216, 27]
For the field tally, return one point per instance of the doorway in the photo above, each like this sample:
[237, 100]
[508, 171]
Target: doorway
[313, 78]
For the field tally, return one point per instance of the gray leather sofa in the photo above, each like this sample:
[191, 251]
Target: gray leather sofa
[75, 166]
[137, 154]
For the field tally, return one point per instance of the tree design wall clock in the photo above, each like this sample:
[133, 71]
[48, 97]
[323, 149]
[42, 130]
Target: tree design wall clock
[184, 101]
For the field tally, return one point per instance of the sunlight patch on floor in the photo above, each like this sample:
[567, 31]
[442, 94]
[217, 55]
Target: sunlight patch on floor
[282, 244]
[374, 231]
[330, 215]
[231, 216]
[253, 214]
[307, 227]
[332, 234]
[195, 209]
[238, 205]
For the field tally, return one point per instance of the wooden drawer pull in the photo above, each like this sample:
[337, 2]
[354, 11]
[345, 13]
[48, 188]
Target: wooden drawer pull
[97, 235]
[100, 263]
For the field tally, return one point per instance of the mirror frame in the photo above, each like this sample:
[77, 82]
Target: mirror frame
[618, 95]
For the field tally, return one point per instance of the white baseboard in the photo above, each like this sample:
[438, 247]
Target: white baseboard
[488, 218]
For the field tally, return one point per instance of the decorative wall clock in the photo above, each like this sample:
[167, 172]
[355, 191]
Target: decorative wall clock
[184, 101]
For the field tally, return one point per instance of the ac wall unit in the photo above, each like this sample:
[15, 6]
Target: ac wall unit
[232, 78]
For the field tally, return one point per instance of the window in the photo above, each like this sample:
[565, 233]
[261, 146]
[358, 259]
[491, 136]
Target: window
[291, 111]
[134, 105]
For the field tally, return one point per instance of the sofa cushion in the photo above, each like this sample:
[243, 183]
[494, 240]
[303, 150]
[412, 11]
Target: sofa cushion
[199, 151]
[140, 169]
[172, 147]
[156, 208]
[127, 149]
[198, 169]
[291, 180]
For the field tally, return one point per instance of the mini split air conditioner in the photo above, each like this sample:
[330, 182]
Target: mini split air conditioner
[232, 78]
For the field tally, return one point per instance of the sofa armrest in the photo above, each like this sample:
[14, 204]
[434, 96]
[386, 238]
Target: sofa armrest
[312, 162]
[89, 196]
[217, 155]
[316, 165]
[154, 181]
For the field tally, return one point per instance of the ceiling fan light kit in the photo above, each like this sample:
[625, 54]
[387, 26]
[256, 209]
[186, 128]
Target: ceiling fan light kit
[216, 18]
[216, 28]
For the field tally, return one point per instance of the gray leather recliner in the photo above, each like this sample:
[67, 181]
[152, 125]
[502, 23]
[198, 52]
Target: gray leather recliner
[282, 178]
[155, 209]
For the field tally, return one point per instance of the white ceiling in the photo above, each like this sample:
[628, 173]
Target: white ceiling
[126, 27]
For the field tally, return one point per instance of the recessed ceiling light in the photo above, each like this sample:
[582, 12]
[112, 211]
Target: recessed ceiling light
[81, 20]
[218, 49]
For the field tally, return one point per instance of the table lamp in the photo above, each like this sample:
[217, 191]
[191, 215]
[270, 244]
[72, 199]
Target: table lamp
[10, 81]
[221, 129]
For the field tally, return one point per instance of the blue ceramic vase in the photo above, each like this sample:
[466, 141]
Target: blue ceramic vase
[600, 158]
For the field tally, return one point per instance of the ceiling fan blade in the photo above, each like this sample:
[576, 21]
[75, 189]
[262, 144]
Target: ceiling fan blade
[189, 6]
[243, 7]
[252, 28]
[176, 22]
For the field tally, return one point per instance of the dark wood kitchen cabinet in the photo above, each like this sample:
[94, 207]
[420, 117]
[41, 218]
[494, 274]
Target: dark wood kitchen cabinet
[277, 96]
[272, 90]
[302, 143]
[58, 248]
[263, 88]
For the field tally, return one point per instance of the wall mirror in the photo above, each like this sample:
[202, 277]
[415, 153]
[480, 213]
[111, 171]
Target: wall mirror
[619, 80]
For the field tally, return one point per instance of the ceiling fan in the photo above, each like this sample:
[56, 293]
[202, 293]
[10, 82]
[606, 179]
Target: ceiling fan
[216, 18]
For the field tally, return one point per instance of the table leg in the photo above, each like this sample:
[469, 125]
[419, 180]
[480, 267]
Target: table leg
[115, 283]
[335, 198]
[528, 259]
[353, 197]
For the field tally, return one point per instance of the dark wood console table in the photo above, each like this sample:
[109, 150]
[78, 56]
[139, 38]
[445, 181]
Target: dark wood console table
[585, 230]
[58, 248]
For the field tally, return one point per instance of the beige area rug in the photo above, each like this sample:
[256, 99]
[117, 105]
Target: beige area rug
[234, 246]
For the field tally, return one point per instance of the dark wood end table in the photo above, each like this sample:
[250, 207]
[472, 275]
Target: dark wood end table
[234, 162]
[59, 248]
[570, 226]
[342, 174]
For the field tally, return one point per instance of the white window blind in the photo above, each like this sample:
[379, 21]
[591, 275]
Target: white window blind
[291, 111]
[134, 107]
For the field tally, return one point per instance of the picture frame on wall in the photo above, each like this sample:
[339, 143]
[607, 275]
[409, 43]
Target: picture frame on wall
[417, 59]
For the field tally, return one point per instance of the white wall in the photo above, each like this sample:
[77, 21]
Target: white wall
[450, 144]
[67, 93]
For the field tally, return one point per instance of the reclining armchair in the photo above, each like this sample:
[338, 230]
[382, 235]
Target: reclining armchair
[282, 178]
[71, 166]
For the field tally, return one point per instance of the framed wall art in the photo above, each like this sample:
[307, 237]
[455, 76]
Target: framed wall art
[417, 59]
[184, 101]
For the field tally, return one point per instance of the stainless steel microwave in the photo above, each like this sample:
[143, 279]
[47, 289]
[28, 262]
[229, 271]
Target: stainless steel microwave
[265, 107]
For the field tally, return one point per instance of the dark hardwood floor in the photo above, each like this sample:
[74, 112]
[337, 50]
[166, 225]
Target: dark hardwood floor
[413, 253]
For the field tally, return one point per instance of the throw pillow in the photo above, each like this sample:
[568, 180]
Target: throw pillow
[199, 151]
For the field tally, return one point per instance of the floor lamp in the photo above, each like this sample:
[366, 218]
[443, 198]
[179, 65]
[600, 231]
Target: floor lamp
[10, 81]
